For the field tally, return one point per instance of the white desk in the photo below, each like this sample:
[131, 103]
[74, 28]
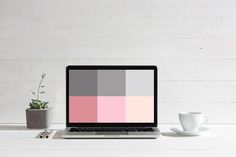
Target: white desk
[16, 140]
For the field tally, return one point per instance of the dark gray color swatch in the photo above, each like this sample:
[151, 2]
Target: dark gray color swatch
[139, 82]
[83, 82]
[111, 82]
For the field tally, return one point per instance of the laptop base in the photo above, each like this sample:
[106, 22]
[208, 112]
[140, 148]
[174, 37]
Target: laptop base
[111, 135]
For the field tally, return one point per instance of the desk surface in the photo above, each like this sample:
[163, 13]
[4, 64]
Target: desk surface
[17, 140]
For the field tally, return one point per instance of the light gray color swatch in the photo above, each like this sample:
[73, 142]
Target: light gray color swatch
[83, 82]
[111, 82]
[139, 82]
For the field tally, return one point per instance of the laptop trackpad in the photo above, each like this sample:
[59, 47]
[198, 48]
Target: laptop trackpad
[111, 133]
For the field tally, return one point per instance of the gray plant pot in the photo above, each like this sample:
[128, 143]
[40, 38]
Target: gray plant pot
[38, 118]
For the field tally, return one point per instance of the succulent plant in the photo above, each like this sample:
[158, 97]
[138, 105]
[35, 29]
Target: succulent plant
[37, 103]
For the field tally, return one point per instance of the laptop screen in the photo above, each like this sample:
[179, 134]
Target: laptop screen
[111, 95]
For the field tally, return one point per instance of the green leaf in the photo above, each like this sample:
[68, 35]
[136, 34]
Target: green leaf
[35, 100]
[42, 92]
[43, 86]
[43, 75]
[37, 104]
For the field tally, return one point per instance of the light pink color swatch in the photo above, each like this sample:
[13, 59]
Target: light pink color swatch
[111, 109]
[83, 109]
[139, 109]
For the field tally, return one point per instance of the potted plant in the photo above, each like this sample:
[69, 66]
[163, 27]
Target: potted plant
[38, 115]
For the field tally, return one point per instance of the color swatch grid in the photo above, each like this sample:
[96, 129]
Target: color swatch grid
[111, 96]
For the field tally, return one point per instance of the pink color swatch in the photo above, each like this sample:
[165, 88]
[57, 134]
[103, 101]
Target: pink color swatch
[111, 109]
[83, 109]
[139, 109]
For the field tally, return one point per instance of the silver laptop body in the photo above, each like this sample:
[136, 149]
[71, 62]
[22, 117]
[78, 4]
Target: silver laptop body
[111, 102]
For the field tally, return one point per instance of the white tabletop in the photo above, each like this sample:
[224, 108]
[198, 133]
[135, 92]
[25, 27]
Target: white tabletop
[17, 140]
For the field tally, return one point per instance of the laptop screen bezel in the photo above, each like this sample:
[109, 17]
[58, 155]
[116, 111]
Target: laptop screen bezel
[112, 67]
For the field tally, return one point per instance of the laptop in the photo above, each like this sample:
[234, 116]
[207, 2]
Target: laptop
[111, 102]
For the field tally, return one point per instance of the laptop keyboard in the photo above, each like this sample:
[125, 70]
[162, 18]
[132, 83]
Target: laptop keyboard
[110, 129]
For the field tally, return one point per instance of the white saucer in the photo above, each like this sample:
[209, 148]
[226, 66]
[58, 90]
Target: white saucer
[190, 133]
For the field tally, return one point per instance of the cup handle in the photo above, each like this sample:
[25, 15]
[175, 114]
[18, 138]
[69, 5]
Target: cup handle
[206, 119]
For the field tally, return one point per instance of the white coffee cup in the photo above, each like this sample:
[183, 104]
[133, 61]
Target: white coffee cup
[192, 121]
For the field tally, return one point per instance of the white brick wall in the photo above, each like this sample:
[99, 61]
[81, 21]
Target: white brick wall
[192, 42]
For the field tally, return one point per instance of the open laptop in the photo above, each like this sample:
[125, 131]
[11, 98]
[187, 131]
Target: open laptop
[111, 102]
